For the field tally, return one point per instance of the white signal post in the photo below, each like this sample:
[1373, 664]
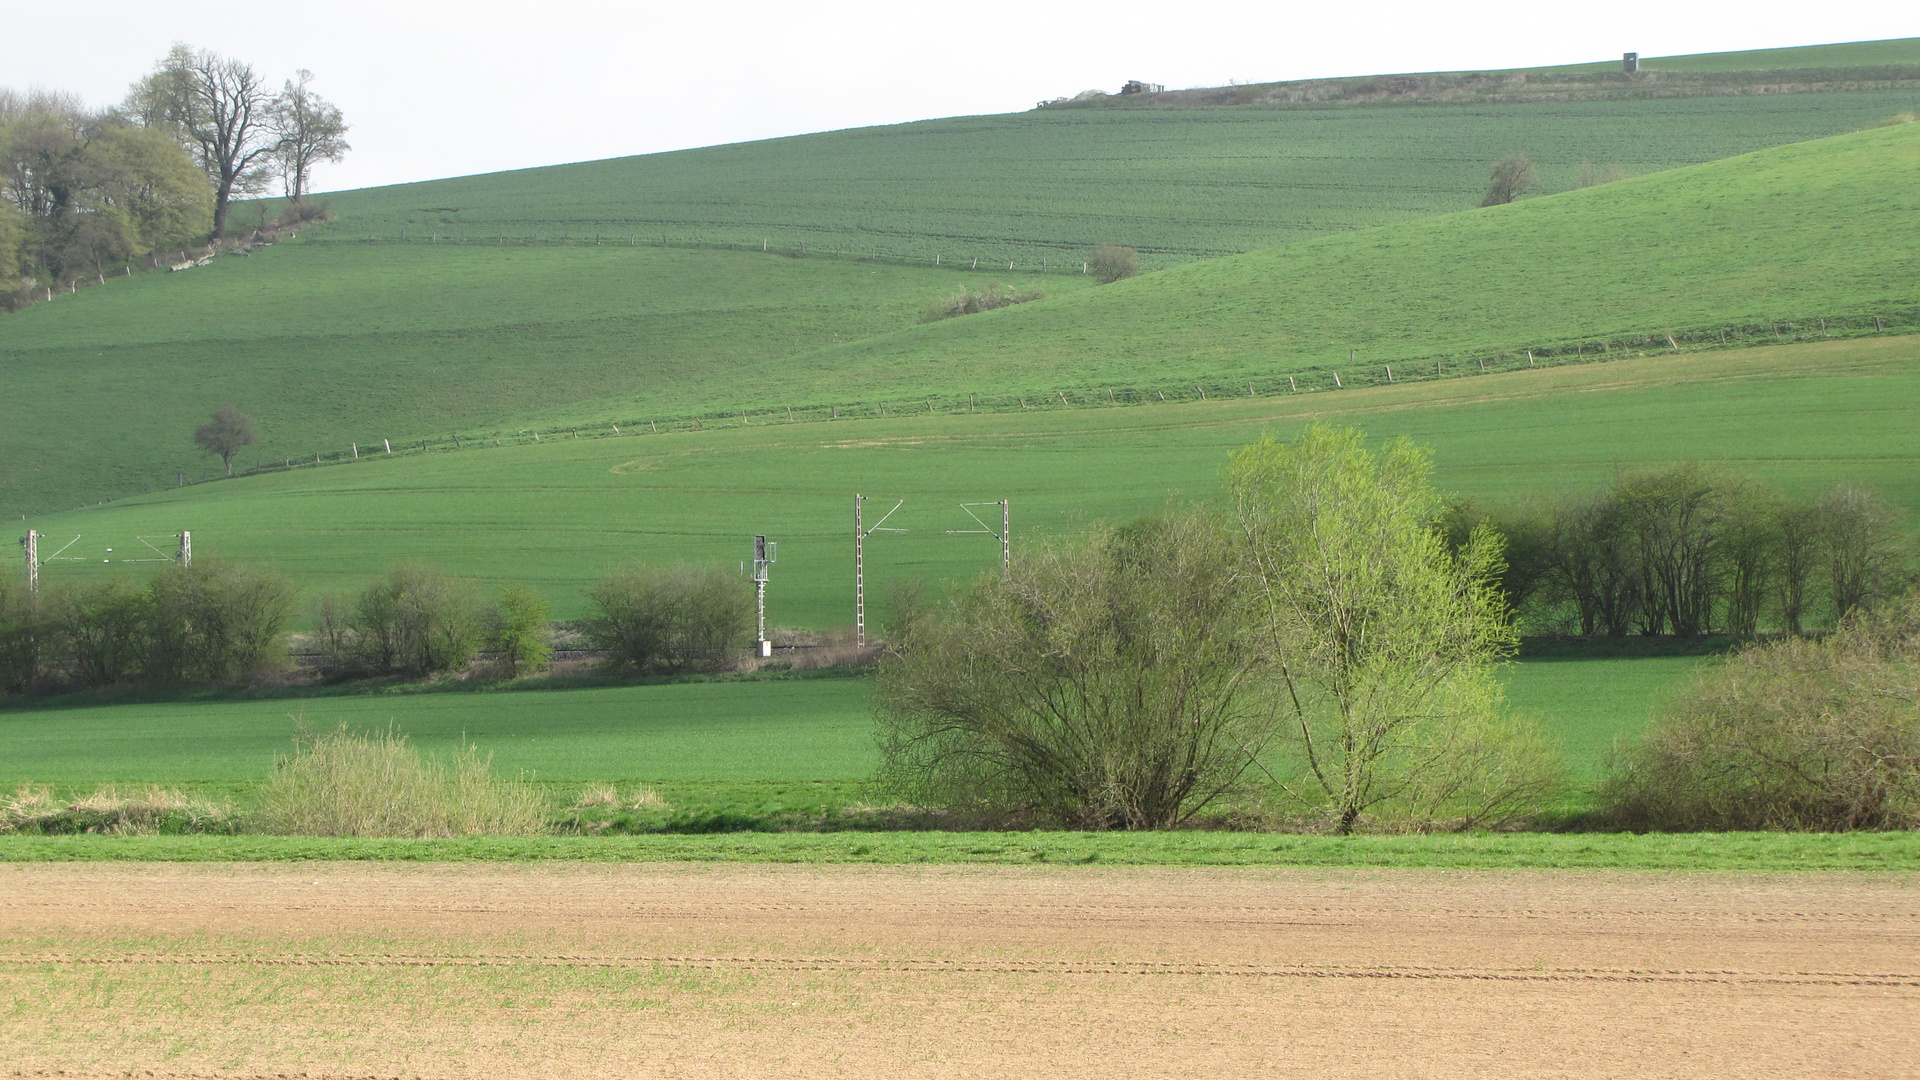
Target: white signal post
[763, 557]
[31, 542]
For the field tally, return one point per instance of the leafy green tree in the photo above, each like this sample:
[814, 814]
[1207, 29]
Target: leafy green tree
[89, 190]
[520, 633]
[225, 433]
[1385, 641]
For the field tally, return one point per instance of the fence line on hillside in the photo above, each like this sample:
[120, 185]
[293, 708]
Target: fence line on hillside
[1313, 379]
[197, 255]
[1072, 261]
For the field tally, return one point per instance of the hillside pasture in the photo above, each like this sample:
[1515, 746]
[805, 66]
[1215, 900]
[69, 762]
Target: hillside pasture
[1806, 239]
[330, 345]
[333, 347]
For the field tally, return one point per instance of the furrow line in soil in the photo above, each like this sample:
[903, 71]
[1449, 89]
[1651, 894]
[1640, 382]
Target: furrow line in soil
[1035, 967]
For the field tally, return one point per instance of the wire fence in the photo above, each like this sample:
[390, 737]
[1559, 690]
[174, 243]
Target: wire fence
[1307, 379]
[1069, 260]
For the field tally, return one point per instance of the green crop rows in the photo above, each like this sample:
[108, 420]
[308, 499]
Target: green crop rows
[1176, 184]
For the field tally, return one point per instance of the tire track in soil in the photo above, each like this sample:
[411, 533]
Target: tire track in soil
[1015, 967]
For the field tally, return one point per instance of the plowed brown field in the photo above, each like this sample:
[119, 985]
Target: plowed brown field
[338, 970]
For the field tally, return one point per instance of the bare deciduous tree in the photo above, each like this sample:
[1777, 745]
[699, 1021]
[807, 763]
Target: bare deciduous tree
[1110, 262]
[1859, 542]
[1512, 175]
[310, 130]
[225, 433]
[220, 109]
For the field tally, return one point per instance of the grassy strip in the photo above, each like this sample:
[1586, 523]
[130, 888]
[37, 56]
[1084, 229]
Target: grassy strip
[1750, 852]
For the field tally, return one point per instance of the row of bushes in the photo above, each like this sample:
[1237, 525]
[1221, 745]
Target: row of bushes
[1689, 551]
[190, 625]
[215, 623]
[417, 621]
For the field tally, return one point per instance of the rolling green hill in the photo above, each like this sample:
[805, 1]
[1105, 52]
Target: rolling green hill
[329, 345]
[335, 345]
[1177, 184]
[1850, 67]
[1826, 230]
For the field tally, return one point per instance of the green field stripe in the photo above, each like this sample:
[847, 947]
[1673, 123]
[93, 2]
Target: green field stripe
[1694, 852]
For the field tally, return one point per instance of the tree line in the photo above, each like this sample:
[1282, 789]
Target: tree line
[83, 190]
[214, 623]
[1324, 649]
[1690, 551]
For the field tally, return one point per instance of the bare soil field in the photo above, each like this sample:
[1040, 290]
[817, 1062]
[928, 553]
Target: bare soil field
[383, 970]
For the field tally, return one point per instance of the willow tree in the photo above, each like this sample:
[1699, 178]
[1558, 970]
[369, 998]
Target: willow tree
[1384, 637]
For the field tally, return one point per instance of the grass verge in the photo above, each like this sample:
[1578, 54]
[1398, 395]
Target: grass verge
[1745, 852]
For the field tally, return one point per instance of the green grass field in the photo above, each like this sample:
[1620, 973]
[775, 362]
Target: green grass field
[331, 343]
[560, 513]
[754, 732]
[1687, 853]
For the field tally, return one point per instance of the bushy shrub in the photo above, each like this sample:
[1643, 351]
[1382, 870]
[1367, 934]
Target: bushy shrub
[418, 621]
[102, 631]
[157, 810]
[215, 622]
[24, 634]
[670, 619]
[208, 623]
[1107, 684]
[972, 301]
[1794, 734]
[346, 784]
[518, 630]
[1109, 263]
[1512, 176]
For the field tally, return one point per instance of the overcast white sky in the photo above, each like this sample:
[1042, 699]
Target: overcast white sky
[445, 89]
